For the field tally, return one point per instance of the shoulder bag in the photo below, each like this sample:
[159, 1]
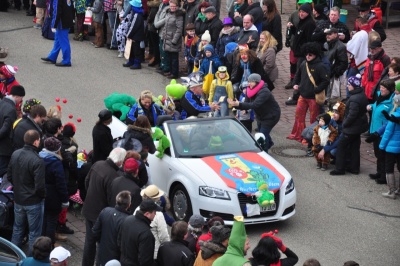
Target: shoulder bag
[319, 97]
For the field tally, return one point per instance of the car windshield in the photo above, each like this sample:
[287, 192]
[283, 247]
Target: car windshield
[197, 138]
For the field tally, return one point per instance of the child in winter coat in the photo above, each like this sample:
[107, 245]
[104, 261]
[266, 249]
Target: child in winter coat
[324, 135]
[390, 143]
[98, 13]
[205, 39]
[221, 89]
[191, 46]
[246, 117]
[209, 65]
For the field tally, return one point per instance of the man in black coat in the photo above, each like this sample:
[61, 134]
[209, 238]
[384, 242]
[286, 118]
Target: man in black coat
[135, 239]
[214, 24]
[107, 226]
[355, 122]
[249, 34]
[8, 115]
[26, 172]
[236, 9]
[34, 120]
[98, 186]
[128, 181]
[254, 9]
[176, 251]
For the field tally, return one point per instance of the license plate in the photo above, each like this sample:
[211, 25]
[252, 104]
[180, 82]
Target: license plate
[268, 208]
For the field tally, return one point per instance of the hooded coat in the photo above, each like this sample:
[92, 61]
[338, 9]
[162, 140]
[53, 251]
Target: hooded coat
[172, 31]
[391, 138]
[143, 135]
[209, 252]
[221, 82]
[355, 115]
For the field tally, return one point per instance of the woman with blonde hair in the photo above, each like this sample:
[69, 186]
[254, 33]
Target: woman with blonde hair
[266, 52]
[145, 106]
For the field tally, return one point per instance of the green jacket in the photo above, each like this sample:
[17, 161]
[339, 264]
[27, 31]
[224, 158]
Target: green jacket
[234, 255]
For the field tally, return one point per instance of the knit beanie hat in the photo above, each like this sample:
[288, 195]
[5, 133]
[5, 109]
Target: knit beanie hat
[355, 81]
[26, 108]
[196, 221]
[219, 232]
[131, 166]
[254, 78]
[17, 90]
[326, 117]
[69, 130]
[398, 85]
[388, 84]
[206, 35]
[52, 144]
[113, 263]
[8, 71]
[209, 48]
[306, 8]
[320, 8]
[230, 47]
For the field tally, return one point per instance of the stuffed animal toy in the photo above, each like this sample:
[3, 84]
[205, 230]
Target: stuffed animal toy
[163, 141]
[175, 90]
[264, 197]
[119, 102]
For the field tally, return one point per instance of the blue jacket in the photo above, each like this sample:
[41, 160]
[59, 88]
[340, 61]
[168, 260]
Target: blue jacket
[378, 119]
[223, 40]
[205, 64]
[391, 138]
[192, 105]
[138, 110]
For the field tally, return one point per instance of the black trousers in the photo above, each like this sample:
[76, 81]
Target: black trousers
[380, 158]
[154, 48]
[348, 145]
[391, 160]
[89, 249]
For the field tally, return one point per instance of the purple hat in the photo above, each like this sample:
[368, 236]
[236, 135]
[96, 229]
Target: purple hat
[355, 81]
[228, 21]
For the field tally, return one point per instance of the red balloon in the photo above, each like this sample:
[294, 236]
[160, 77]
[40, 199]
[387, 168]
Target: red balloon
[70, 116]
[57, 99]
[64, 100]
[79, 120]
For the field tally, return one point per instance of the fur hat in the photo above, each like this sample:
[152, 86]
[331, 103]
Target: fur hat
[104, 115]
[190, 26]
[339, 108]
[26, 108]
[254, 78]
[206, 35]
[17, 90]
[9, 71]
[209, 48]
[69, 130]
[306, 8]
[213, 221]
[355, 81]
[52, 144]
[326, 117]
[219, 232]
[311, 48]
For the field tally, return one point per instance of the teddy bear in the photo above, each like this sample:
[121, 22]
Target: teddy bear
[163, 141]
[119, 102]
[264, 196]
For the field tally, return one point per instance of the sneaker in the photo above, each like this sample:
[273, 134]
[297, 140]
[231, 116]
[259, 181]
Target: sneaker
[310, 153]
[120, 54]
[37, 26]
[289, 85]
[389, 194]
[64, 229]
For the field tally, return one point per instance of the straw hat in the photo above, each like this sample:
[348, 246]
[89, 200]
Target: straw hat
[152, 192]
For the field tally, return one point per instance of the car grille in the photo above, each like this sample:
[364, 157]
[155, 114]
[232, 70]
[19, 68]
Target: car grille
[243, 199]
[209, 215]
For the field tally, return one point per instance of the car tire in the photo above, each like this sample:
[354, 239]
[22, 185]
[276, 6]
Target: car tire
[181, 204]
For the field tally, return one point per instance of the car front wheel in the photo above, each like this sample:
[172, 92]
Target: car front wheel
[181, 205]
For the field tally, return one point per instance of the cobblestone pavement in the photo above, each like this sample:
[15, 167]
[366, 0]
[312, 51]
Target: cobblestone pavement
[75, 220]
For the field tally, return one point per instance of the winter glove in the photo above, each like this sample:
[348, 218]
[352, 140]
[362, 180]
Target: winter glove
[372, 137]
[71, 149]
[391, 118]
[53, 30]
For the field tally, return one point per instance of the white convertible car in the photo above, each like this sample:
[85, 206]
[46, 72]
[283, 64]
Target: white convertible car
[213, 167]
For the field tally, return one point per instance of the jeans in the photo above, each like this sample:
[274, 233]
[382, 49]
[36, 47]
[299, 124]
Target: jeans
[61, 42]
[223, 111]
[4, 161]
[31, 217]
[268, 140]
[113, 26]
[89, 249]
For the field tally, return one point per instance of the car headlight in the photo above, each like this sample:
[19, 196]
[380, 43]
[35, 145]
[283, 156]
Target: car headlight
[289, 187]
[213, 192]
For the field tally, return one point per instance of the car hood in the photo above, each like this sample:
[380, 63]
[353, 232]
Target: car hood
[240, 171]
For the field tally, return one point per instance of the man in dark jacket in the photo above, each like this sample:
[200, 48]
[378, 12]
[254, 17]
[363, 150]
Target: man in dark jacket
[8, 115]
[237, 8]
[34, 120]
[336, 53]
[355, 122]
[365, 11]
[249, 34]
[214, 24]
[26, 172]
[98, 185]
[62, 19]
[176, 252]
[128, 181]
[135, 239]
[191, 8]
[254, 9]
[107, 226]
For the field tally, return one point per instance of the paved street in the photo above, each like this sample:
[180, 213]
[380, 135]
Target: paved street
[338, 218]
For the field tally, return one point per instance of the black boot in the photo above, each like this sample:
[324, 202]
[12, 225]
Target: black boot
[289, 85]
[381, 180]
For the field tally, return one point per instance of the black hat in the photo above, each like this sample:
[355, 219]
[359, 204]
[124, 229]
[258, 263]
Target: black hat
[104, 115]
[17, 90]
[210, 9]
[69, 130]
[375, 44]
[149, 205]
[326, 117]
[364, 7]
[320, 8]
[52, 144]
[306, 8]
[311, 48]
[220, 232]
[331, 30]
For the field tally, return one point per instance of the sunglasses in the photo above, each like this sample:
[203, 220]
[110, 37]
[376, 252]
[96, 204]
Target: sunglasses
[309, 54]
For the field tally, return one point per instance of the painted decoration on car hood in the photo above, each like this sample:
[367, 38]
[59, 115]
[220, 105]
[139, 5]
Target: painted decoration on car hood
[242, 171]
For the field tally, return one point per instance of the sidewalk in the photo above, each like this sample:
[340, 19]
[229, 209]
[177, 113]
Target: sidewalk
[75, 220]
